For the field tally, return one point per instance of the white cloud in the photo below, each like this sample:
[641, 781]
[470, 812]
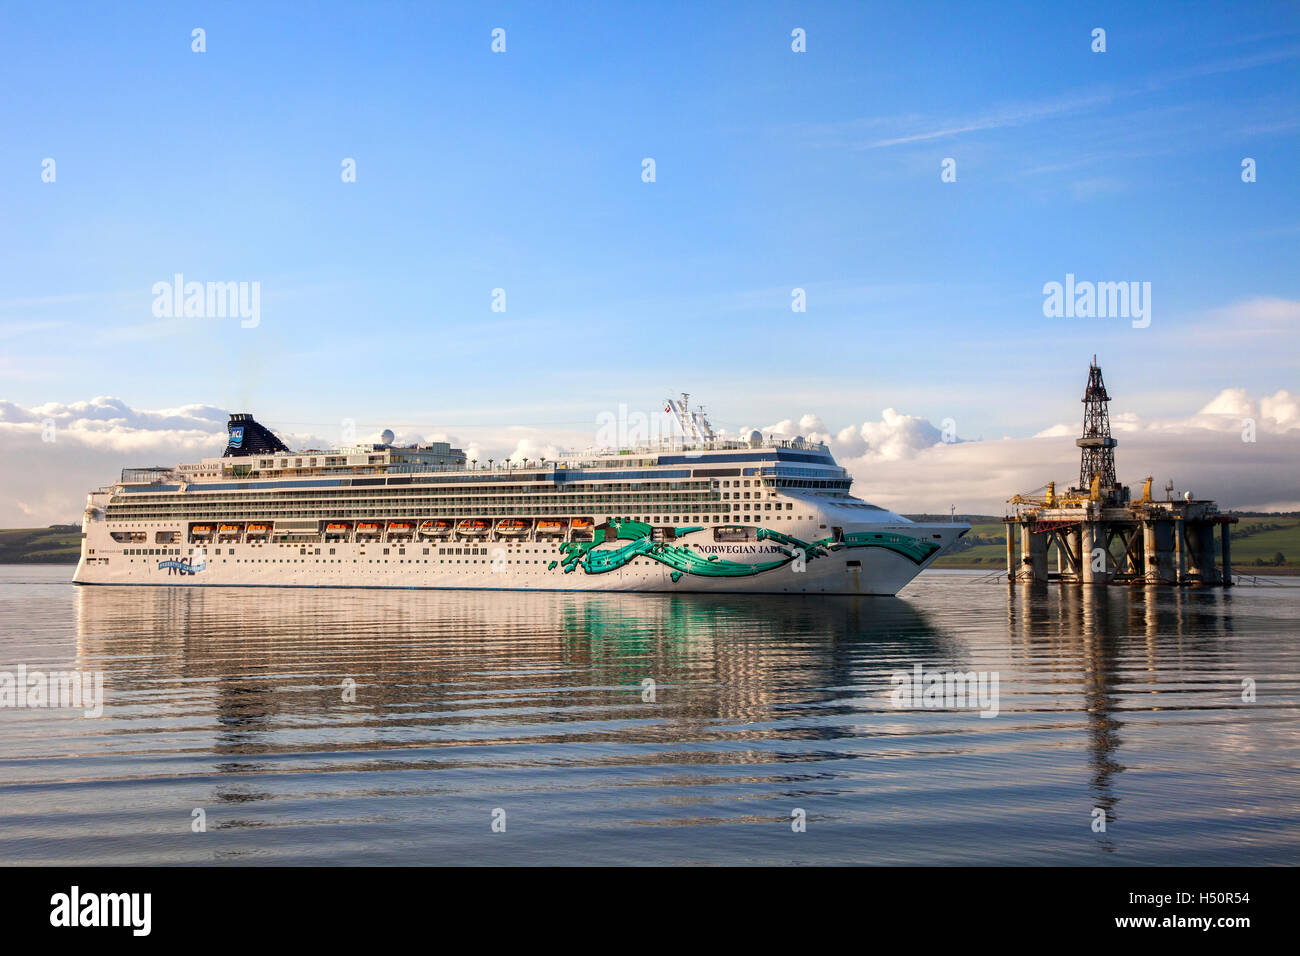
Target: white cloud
[1203, 452]
[979, 476]
[115, 412]
[1226, 412]
[1251, 324]
[1018, 114]
[46, 482]
[895, 436]
[810, 427]
[1282, 409]
[899, 461]
[1230, 401]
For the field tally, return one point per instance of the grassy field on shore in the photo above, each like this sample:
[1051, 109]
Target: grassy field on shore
[57, 545]
[1256, 543]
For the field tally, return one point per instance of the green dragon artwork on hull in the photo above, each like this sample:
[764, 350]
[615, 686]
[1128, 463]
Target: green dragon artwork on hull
[683, 559]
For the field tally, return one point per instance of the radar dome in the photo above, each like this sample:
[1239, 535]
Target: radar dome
[755, 438]
[387, 437]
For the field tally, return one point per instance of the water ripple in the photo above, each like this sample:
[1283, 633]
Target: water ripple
[232, 701]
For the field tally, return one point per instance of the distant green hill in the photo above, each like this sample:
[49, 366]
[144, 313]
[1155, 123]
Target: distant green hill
[58, 544]
[985, 546]
[1257, 541]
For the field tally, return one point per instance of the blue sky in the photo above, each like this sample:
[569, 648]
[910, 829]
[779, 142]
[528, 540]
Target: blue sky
[522, 171]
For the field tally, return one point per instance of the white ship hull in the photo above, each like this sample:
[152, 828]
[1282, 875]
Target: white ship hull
[512, 564]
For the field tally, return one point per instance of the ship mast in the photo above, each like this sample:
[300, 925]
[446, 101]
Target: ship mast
[694, 424]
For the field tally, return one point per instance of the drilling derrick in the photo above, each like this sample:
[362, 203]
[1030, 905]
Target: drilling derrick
[1097, 458]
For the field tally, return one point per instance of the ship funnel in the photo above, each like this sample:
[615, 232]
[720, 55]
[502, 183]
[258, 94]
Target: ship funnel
[244, 436]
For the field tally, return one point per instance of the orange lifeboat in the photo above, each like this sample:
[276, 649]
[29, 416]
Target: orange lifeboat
[582, 524]
[512, 526]
[551, 526]
[199, 530]
[472, 526]
[259, 529]
[400, 527]
[230, 529]
[338, 528]
[367, 527]
[435, 527]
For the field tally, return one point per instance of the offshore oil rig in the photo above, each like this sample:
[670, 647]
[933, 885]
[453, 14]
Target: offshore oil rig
[1101, 536]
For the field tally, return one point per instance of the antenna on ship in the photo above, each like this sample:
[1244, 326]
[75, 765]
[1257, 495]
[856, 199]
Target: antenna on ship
[694, 425]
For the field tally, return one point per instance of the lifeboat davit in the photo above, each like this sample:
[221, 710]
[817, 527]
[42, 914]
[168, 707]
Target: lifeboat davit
[512, 526]
[472, 526]
[550, 526]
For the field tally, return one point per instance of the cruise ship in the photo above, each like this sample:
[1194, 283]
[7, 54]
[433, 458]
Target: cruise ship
[697, 512]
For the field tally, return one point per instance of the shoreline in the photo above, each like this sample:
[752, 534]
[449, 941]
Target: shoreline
[1248, 571]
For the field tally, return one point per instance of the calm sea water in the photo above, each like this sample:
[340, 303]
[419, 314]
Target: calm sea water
[230, 701]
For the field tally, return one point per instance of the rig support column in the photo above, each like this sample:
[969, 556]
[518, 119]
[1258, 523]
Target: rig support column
[1180, 550]
[1093, 541]
[1226, 555]
[1075, 538]
[1150, 559]
[1011, 550]
[1037, 554]
[1166, 567]
[1203, 534]
[1026, 553]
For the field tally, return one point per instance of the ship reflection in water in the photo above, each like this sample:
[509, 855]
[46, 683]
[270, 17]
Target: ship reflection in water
[340, 727]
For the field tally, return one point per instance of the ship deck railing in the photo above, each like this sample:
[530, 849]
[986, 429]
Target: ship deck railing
[234, 468]
[679, 446]
[147, 476]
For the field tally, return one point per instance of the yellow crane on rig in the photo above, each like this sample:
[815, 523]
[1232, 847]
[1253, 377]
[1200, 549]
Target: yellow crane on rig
[1052, 500]
[1048, 500]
